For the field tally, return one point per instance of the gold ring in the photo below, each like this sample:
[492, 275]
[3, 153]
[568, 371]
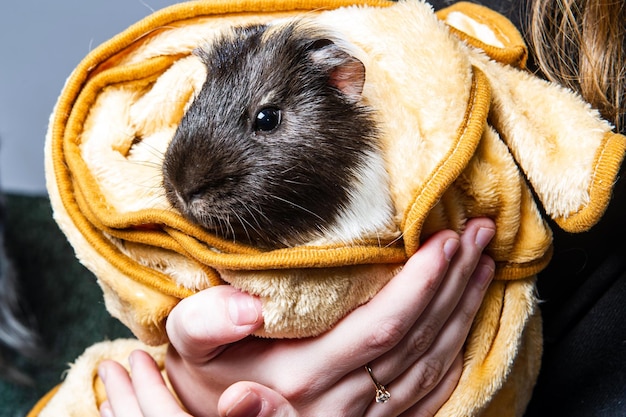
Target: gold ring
[382, 395]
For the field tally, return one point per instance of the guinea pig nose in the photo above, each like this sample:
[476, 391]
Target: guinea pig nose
[181, 199]
[194, 195]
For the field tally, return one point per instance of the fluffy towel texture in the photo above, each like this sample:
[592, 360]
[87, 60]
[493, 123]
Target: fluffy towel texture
[466, 132]
[82, 391]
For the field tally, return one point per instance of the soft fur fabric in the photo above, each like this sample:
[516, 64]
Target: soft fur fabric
[82, 388]
[466, 132]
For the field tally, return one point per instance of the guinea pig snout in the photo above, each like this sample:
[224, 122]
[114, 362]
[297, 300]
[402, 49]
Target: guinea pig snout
[194, 206]
[188, 201]
[189, 195]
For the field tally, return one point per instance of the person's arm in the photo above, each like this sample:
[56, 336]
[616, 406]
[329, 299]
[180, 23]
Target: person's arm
[411, 334]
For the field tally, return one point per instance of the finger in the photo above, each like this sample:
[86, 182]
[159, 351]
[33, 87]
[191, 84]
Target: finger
[428, 327]
[454, 333]
[457, 328]
[106, 410]
[249, 399]
[431, 404]
[474, 239]
[363, 335]
[203, 323]
[120, 393]
[425, 376]
[379, 325]
[374, 328]
[154, 398]
[427, 289]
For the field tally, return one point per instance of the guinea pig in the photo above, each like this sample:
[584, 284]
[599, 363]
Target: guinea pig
[278, 147]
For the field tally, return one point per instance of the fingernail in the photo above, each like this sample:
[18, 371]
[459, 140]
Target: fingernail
[249, 405]
[450, 248]
[102, 372]
[484, 236]
[105, 410]
[244, 309]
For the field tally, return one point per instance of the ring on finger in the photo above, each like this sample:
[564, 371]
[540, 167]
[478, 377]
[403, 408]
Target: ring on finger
[382, 395]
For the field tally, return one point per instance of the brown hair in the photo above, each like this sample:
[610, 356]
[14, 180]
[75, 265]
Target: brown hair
[582, 44]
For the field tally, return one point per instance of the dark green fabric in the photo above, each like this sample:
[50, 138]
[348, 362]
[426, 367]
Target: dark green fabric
[61, 294]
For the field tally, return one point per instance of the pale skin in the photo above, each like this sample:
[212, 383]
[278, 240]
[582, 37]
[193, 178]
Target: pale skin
[411, 333]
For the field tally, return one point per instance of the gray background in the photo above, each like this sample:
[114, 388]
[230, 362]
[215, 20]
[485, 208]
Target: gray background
[41, 41]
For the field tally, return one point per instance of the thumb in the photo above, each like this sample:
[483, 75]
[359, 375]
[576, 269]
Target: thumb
[200, 325]
[249, 399]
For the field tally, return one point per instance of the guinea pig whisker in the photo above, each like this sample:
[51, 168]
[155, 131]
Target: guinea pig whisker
[394, 241]
[253, 217]
[146, 163]
[295, 182]
[259, 209]
[298, 206]
[149, 183]
[286, 170]
[229, 226]
[159, 200]
[245, 225]
[154, 151]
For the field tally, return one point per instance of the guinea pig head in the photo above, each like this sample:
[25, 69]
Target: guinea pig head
[277, 149]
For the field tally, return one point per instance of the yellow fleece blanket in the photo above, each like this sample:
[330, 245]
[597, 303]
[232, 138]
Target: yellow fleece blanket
[466, 132]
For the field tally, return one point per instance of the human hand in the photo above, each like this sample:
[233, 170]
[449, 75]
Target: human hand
[411, 334]
[146, 394]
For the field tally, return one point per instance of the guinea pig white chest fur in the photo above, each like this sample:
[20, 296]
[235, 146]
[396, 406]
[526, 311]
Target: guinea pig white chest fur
[278, 148]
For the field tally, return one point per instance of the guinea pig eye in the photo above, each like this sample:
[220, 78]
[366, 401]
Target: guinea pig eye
[267, 119]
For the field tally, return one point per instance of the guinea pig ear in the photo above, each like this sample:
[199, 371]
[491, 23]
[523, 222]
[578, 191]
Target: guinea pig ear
[345, 72]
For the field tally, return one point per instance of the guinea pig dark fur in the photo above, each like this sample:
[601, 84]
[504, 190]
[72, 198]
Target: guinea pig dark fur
[273, 147]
